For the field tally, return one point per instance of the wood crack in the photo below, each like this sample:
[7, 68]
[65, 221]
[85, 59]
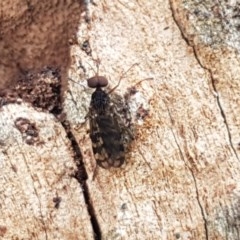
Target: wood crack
[194, 180]
[81, 176]
[200, 205]
[39, 201]
[216, 95]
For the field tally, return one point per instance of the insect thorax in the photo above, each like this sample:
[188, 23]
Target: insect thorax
[100, 101]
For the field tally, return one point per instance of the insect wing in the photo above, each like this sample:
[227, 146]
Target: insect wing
[106, 136]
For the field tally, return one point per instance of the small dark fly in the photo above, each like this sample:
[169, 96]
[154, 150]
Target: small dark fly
[107, 130]
[110, 124]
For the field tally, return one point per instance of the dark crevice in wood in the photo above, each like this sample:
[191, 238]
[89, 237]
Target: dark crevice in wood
[48, 37]
[81, 176]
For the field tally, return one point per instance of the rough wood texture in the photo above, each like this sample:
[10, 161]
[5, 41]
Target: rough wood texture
[35, 34]
[37, 192]
[39, 197]
[180, 180]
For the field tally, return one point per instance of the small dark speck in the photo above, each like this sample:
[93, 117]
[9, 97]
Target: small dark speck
[93, 3]
[86, 47]
[124, 206]
[130, 92]
[142, 113]
[238, 146]
[29, 141]
[177, 235]
[133, 91]
[14, 168]
[196, 12]
[57, 201]
[3, 230]
[166, 28]
[238, 27]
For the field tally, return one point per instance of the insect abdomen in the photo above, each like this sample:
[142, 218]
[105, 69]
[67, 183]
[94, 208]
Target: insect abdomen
[107, 142]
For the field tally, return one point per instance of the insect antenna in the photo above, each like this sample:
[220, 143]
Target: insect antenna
[150, 78]
[122, 76]
[97, 62]
[77, 83]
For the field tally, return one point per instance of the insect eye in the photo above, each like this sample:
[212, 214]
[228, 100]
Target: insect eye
[97, 81]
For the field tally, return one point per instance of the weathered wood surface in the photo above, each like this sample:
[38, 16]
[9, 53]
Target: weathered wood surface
[180, 180]
[37, 192]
